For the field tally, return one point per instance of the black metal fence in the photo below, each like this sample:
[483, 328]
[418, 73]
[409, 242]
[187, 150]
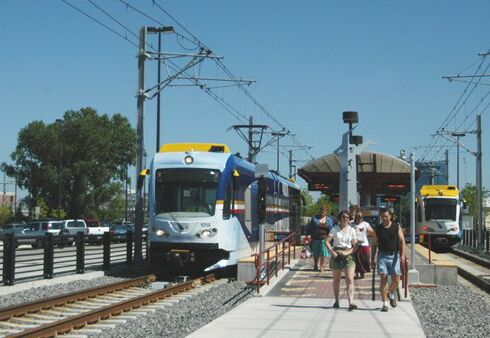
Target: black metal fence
[27, 258]
[470, 239]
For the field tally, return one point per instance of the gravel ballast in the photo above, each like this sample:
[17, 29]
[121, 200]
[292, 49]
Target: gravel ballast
[452, 311]
[186, 316]
[55, 290]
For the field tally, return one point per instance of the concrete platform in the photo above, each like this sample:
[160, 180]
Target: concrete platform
[307, 317]
[300, 305]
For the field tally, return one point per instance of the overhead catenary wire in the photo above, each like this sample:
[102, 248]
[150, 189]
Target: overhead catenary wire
[460, 103]
[170, 66]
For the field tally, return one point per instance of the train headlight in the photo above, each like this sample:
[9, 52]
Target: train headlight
[188, 159]
[160, 233]
[206, 233]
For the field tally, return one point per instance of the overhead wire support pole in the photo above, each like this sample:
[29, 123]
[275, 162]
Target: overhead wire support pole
[158, 91]
[278, 135]
[138, 231]
[254, 147]
[479, 197]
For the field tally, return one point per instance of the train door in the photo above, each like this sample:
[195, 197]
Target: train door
[248, 208]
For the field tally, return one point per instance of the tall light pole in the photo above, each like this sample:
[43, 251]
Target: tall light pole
[60, 124]
[413, 274]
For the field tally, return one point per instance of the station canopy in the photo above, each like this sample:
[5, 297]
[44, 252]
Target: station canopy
[377, 174]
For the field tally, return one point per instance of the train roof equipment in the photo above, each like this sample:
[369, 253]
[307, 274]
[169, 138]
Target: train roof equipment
[439, 190]
[187, 147]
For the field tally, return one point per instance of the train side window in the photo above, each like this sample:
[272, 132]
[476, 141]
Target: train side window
[227, 203]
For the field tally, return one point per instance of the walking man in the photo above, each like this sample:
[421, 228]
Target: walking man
[391, 250]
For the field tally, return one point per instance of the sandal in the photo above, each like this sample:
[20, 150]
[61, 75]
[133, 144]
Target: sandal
[352, 307]
[336, 305]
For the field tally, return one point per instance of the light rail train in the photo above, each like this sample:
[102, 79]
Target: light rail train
[438, 214]
[203, 207]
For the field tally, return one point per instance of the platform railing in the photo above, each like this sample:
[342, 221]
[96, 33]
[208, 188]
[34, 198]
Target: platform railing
[470, 239]
[285, 246]
[51, 254]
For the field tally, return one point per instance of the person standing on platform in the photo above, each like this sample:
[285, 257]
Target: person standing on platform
[319, 228]
[344, 243]
[390, 242]
[362, 256]
[353, 209]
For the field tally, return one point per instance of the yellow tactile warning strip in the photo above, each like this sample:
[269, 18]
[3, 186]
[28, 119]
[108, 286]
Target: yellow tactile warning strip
[303, 281]
[436, 259]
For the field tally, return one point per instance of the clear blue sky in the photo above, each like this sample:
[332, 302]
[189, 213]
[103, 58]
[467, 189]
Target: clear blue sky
[311, 60]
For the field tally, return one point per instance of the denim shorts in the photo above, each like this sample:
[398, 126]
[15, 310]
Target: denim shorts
[389, 264]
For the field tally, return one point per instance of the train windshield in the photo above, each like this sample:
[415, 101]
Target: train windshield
[186, 192]
[440, 209]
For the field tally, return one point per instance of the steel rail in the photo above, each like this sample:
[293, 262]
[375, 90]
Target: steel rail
[45, 304]
[81, 320]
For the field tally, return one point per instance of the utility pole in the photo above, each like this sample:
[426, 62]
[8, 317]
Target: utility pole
[479, 199]
[457, 135]
[4, 188]
[60, 124]
[126, 197]
[254, 146]
[251, 154]
[159, 90]
[138, 245]
[478, 156]
[278, 135]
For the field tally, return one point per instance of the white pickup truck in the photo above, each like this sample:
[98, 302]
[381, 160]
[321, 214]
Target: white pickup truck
[96, 231]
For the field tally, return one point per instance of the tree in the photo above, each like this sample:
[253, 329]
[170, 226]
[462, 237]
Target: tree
[94, 150]
[114, 209]
[469, 195]
[5, 214]
[312, 207]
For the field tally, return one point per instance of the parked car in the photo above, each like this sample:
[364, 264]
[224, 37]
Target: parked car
[96, 231]
[35, 231]
[12, 228]
[119, 232]
[70, 228]
[74, 226]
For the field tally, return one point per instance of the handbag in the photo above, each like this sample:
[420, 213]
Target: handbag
[305, 253]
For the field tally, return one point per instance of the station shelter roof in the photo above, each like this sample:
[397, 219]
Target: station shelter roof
[377, 173]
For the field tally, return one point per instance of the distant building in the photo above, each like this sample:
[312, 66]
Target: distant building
[9, 199]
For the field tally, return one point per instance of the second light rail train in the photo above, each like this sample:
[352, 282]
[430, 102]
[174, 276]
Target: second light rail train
[439, 214]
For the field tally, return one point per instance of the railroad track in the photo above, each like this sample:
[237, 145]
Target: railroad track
[472, 268]
[109, 304]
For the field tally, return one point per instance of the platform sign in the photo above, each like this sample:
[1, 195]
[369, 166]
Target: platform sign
[467, 222]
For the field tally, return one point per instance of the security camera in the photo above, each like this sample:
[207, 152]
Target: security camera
[402, 153]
